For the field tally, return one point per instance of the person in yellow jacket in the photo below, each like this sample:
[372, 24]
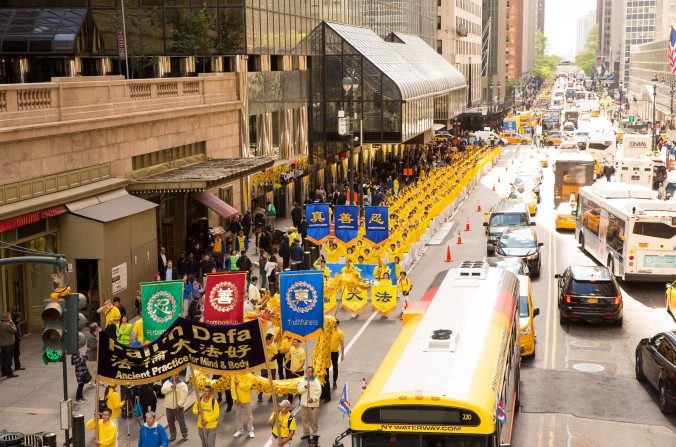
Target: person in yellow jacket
[240, 387]
[107, 429]
[283, 424]
[113, 402]
[137, 331]
[381, 270]
[405, 286]
[207, 421]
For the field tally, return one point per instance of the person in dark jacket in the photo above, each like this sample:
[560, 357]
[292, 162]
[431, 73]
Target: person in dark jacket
[284, 250]
[244, 265]
[16, 318]
[296, 214]
[81, 374]
[296, 256]
[151, 433]
[302, 228]
[247, 222]
[147, 398]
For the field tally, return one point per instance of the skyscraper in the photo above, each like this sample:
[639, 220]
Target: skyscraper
[585, 23]
[639, 28]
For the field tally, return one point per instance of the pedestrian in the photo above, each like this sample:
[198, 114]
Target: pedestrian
[283, 424]
[161, 260]
[117, 302]
[152, 434]
[7, 339]
[295, 362]
[271, 351]
[206, 266]
[107, 429]
[207, 410]
[240, 387]
[296, 255]
[113, 401]
[110, 315]
[187, 292]
[92, 344]
[175, 393]
[82, 374]
[231, 261]
[302, 227]
[310, 391]
[296, 214]
[271, 212]
[16, 319]
[337, 344]
[124, 331]
[262, 260]
[170, 273]
[271, 273]
[247, 222]
[253, 292]
[244, 264]
[147, 397]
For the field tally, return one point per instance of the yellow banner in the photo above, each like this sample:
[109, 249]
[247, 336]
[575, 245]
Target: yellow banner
[384, 299]
[354, 300]
[330, 301]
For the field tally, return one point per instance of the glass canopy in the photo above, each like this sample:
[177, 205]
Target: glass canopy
[41, 31]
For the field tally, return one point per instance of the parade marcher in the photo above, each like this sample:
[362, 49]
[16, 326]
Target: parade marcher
[310, 391]
[283, 348]
[113, 401]
[241, 396]
[137, 331]
[337, 344]
[152, 434]
[405, 287]
[207, 418]
[271, 351]
[109, 314]
[107, 429]
[175, 393]
[7, 338]
[283, 424]
[124, 331]
[295, 362]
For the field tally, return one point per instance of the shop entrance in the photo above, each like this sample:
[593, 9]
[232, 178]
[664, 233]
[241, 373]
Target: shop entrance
[88, 284]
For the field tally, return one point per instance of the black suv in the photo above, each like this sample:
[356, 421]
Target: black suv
[589, 293]
[522, 243]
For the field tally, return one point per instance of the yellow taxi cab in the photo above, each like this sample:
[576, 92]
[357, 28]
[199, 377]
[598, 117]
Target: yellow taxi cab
[526, 315]
[598, 169]
[619, 136]
[565, 216]
[553, 139]
[670, 295]
[595, 113]
[515, 138]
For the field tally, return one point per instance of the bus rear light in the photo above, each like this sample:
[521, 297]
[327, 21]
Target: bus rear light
[567, 299]
[631, 263]
[631, 257]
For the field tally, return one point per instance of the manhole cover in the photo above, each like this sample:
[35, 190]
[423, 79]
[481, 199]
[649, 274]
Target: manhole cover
[584, 344]
[588, 367]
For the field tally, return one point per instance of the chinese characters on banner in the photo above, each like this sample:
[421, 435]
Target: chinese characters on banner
[161, 305]
[224, 298]
[366, 271]
[318, 222]
[354, 300]
[346, 222]
[330, 302]
[377, 224]
[212, 349]
[301, 299]
[384, 299]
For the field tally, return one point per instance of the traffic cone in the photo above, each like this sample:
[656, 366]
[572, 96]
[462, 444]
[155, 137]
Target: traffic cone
[449, 256]
[478, 206]
[467, 225]
[459, 238]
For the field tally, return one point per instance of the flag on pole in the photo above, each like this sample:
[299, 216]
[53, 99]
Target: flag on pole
[224, 298]
[671, 53]
[161, 305]
[344, 405]
[302, 303]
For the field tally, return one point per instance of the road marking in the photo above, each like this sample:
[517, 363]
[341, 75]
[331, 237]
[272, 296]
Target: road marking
[553, 317]
[549, 299]
[26, 410]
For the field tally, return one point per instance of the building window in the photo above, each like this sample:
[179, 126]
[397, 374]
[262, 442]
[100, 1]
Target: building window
[438, 22]
[168, 155]
[439, 47]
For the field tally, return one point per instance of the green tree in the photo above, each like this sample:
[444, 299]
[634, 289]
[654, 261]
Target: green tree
[586, 59]
[141, 25]
[545, 65]
[196, 34]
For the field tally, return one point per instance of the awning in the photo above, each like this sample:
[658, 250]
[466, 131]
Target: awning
[200, 176]
[109, 207]
[215, 204]
[29, 218]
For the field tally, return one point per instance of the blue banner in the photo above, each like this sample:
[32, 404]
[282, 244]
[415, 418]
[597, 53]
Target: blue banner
[346, 222]
[366, 271]
[301, 300]
[318, 222]
[377, 224]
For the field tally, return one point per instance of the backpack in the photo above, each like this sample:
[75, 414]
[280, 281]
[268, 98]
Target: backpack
[272, 211]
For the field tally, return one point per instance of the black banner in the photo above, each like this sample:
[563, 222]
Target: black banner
[223, 349]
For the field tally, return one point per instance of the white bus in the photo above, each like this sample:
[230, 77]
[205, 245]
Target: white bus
[624, 227]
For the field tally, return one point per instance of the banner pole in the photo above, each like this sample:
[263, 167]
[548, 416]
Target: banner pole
[199, 402]
[275, 407]
[96, 403]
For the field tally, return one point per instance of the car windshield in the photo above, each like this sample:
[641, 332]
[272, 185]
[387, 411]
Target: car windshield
[507, 219]
[523, 306]
[512, 265]
[517, 240]
[593, 288]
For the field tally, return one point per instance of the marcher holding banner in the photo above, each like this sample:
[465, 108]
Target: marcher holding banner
[346, 222]
[377, 224]
[318, 222]
[302, 303]
[207, 410]
[384, 298]
[224, 297]
[161, 305]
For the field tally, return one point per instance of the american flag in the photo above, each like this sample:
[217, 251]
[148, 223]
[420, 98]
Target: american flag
[672, 50]
[344, 405]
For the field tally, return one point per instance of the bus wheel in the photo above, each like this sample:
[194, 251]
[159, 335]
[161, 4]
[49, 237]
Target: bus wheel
[582, 243]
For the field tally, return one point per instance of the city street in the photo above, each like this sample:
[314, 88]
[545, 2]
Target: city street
[562, 403]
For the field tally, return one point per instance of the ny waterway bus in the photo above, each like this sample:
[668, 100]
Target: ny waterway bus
[623, 226]
[451, 377]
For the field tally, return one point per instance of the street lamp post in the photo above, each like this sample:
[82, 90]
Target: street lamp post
[654, 81]
[350, 86]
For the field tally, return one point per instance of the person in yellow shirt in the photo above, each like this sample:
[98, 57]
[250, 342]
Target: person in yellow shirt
[113, 401]
[107, 429]
[337, 344]
[405, 286]
[271, 351]
[385, 280]
[283, 424]
[283, 349]
[295, 360]
[381, 270]
[109, 314]
[207, 421]
[240, 387]
[137, 331]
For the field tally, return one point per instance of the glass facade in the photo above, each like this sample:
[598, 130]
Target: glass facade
[639, 28]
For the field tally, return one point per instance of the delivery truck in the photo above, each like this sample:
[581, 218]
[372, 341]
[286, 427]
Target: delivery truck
[572, 170]
[636, 145]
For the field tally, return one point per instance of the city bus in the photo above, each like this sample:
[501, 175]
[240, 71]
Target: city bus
[451, 377]
[623, 226]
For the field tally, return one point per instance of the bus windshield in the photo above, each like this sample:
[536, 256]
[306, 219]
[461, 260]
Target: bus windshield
[417, 440]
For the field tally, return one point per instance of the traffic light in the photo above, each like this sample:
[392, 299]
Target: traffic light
[75, 322]
[53, 330]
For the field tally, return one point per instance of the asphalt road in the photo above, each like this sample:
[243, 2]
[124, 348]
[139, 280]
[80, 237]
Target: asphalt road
[562, 405]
